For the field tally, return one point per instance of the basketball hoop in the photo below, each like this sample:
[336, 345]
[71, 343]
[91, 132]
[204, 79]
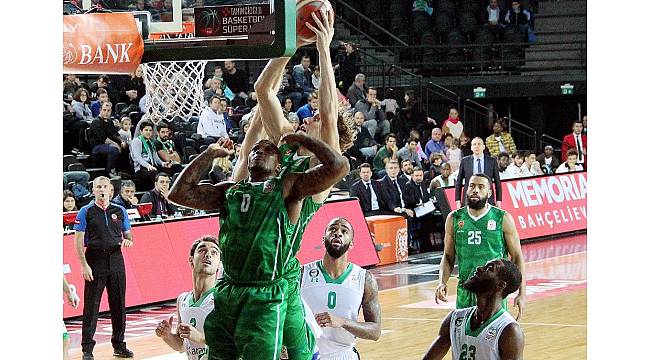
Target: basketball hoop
[174, 88]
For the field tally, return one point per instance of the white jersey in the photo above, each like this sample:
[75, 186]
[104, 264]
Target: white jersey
[482, 343]
[341, 297]
[194, 313]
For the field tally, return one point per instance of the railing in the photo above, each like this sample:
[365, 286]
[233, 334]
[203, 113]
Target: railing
[524, 136]
[367, 23]
[549, 140]
[477, 117]
[438, 99]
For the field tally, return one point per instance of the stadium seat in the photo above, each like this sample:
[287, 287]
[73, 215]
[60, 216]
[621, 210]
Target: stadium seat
[67, 160]
[76, 167]
[192, 157]
[444, 24]
[187, 152]
[202, 148]
[467, 22]
[119, 107]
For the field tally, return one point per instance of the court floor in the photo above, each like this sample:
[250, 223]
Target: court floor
[554, 319]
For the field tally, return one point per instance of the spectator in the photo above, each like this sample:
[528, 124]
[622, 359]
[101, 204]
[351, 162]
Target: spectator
[155, 120]
[515, 170]
[101, 83]
[244, 124]
[221, 170]
[384, 155]
[236, 79]
[454, 154]
[518, 18]
[104, 138]
[421, 226]
[80, 105]
[289, 89]
[435, 168]
[477, 163]
[70, 85]
[158, 197]
[309, 109]
[102, 265]
[406, 170]
[584, 124]
[212, 125]
[214, 89]
[390, 104]
[78, 177]
[69, 202]
[410, 117]
[126, 198]
[465, 145]
[453, 125]
[145, 158]
[410, 152]
[364, 144]
[578, 141]
[315, 77]
[368, 192]
[135, 90]
[347, 66]
[571, 163]
[500, 141]
[287, 106]
[494, 18]
[302, 76]
[415, 134]
[436, 144]
[503, 161]
[226, 111]
[372, 112]
[548, 160]
[164, 145]
[357, 90]
[444, 179]
[394, 191]
[531, 166]
[102, 97]
[125, 130]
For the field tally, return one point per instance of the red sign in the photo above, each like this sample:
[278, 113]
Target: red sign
[157, 266]
[101, 44]
[543, 206]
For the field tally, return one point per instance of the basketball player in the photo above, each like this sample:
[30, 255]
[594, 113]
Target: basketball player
[71, 296]
[193, 306]
[485, 331]
[327, 126]
[478, 232]
[258, 220]
[335, 289]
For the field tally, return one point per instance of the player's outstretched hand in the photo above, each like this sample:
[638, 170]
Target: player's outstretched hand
[441, 293]
[187, 331]
[164, 328]
[328, 320]
[324, 29]
[520, 302]
[293, 139]
[222, 148]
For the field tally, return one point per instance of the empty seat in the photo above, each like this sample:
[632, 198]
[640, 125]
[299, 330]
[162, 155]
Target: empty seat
[467, 22]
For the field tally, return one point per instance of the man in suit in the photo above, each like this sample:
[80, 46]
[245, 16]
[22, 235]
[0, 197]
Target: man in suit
[368, 192]
[477, 163]
[393, 190]
[418, 194]
[407, 170]
[576, 140]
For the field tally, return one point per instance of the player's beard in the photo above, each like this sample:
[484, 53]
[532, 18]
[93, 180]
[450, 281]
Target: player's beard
[336, 253]
[477, 285]
[478, 204]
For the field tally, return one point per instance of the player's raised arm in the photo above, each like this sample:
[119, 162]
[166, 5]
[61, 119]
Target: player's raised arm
[448, 259]
[266, 88]
[189, 193]
[442, 343]
[513, 246]
[333, 167]
[511, 342]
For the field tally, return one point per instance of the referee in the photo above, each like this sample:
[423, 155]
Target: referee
[103, 228]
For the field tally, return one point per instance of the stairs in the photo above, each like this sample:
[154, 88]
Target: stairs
[564, 22]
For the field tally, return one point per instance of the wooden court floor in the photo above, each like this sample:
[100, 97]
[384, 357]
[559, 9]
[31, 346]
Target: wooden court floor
[554, 321]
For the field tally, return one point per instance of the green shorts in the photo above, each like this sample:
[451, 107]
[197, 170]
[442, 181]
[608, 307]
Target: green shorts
[247, 321]
[465, 299]
[298, 337]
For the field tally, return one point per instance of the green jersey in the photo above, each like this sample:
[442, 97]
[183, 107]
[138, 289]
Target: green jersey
[478, 240]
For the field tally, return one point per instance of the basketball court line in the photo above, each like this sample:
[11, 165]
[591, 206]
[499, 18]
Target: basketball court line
[520, 323]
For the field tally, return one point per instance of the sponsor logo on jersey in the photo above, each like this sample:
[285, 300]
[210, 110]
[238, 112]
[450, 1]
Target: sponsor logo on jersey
[459, 322]
[114, 217]
[354, 279]
[269, 185]
[491, 334]
[314, 272]
[461, 224]
[492, 225]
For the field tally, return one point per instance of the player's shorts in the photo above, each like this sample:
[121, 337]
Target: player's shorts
[250, 323]
[298, 336]
[465, 299]
[66, 336]
[348, 354]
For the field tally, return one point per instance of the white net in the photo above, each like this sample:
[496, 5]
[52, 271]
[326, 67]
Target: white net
[174, 88]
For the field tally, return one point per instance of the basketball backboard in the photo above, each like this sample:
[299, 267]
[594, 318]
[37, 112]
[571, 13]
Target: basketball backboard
[211, 29]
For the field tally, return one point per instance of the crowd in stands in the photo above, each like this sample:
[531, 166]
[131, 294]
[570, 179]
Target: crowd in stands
[399, 154]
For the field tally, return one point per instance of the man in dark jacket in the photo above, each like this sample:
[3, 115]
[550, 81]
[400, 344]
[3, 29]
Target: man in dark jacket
[104, 138]
[126, 198]
[368, 192]
[418, 195]
[158, 197]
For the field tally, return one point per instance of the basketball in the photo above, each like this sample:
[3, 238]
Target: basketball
[304, 9]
